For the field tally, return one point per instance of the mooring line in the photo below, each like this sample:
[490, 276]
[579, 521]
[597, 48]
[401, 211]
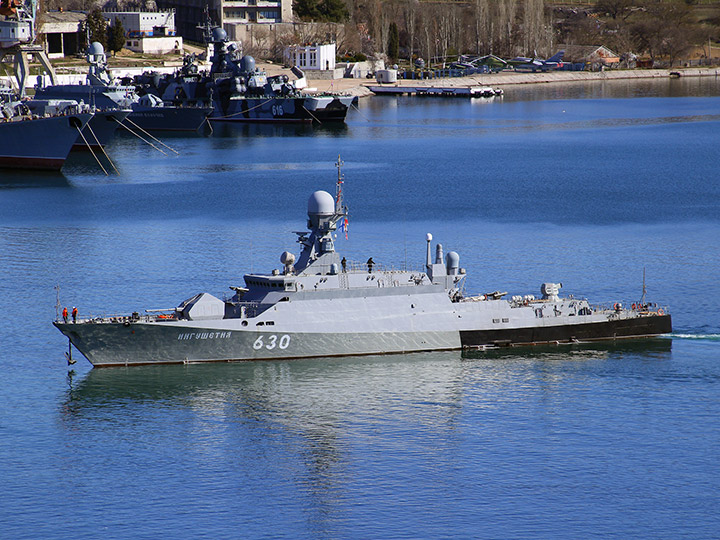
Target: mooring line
[91, 150]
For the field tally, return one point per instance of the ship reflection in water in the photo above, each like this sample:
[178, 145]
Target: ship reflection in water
[316, 411]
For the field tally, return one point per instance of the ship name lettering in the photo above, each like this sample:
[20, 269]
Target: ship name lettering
[203, 335]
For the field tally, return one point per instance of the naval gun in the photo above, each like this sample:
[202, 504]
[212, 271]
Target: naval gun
[17, 36]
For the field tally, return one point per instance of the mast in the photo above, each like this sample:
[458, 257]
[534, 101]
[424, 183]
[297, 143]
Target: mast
[644, 289]
[338, 186]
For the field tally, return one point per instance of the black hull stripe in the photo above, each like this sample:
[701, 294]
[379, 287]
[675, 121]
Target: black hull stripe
[638, 327]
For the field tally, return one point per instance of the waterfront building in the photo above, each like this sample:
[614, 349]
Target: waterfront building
[63, 32]
[234, 16]
[150, 32]
[313, 57]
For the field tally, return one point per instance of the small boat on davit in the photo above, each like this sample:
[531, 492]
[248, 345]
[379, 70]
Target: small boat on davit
[320, 305]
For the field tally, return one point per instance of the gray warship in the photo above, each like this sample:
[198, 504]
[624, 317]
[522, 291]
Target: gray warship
[241, 92]
[98, 132]
[148, 112]
[38, 141]
[318, 305]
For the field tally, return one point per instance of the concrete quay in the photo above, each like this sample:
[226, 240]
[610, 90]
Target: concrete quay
[360, 87]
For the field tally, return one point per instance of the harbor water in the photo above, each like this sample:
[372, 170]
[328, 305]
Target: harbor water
[592, 185]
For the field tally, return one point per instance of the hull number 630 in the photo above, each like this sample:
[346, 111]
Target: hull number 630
[271, 341]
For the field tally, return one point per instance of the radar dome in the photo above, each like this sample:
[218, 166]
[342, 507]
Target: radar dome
[247, 64]
[321, 203]
[95, 48]
[287, 258]
[218, 34]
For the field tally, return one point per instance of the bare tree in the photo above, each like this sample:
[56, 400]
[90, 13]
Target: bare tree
[533, 15]
[483, 33]
[410, 25]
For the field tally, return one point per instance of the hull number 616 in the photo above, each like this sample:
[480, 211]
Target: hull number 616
[271, 341]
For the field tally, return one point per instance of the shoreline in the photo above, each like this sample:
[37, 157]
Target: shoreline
[361, 89]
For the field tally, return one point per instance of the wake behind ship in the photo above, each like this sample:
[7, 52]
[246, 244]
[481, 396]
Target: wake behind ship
[320, 305]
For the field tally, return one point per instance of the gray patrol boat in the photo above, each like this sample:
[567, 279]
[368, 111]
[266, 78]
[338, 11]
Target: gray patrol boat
[147, 112]
[318, 305]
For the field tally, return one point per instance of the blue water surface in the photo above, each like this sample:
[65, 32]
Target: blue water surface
[586, 184]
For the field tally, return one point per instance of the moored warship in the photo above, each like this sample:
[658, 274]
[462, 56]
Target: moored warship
[98, 132]
[318, 305]
[147, 112]
[241, 92]
[38, 141]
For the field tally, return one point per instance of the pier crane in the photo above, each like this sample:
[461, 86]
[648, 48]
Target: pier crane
[17, 36]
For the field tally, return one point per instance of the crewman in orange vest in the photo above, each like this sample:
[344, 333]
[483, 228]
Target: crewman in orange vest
[64, 314]
[74, 314]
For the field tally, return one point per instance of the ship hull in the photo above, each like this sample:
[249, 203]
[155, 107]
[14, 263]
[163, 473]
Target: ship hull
[122, 344]
[41, 144]
[165, 118]
[187, 119]
[594, 331]
[137, 344]
[100, 130]
[282, 110]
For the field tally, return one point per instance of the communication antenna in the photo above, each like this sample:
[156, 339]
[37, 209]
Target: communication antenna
[338, 186]
[57, 302]
[644, 289]
[341, 211]
[207, 25]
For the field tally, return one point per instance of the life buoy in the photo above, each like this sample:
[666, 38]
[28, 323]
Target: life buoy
[661, 311]
[634, 306]
[616, 307]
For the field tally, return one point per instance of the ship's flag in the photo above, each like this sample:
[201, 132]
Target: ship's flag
[344, 227]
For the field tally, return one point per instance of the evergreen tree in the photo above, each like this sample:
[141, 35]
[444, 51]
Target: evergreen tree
[307, 10]
[116, 37]
[97, 27]
[334, 10]
[393, 42]
[321, 10]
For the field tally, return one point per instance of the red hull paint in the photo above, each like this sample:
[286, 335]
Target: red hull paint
[45, 164]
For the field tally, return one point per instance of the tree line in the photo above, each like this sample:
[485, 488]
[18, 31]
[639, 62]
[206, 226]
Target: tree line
[437, 30]
[112, 38]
